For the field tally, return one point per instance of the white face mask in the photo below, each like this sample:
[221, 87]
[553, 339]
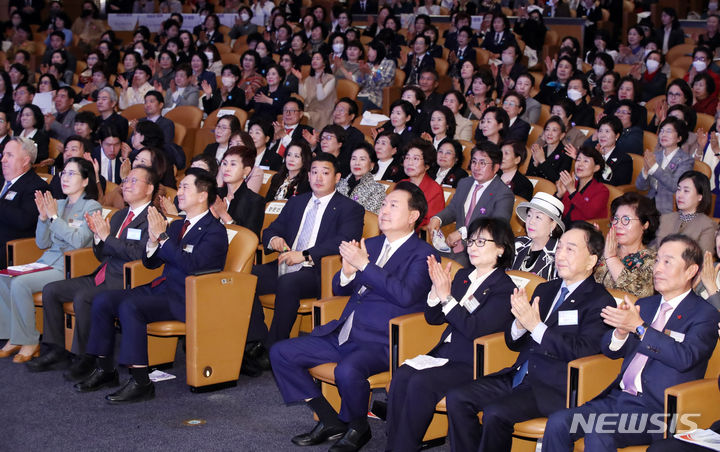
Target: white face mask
[139, 51]
[699, 65]
[338, 48]
[652, 65]
[228, 81]
[209, 56]
[508, 59]
[574, 94]
[599, 69]
[244, 17]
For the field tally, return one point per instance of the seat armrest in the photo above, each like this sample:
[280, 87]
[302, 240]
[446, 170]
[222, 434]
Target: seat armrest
[492, 354]
[695, 402]
[22, 251]
[411, 335]
[328, 309]
[589, 376]
[80, 262]
[136, 274]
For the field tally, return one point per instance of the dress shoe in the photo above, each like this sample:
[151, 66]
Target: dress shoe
[132, 392]
[319, 434]
[250, 368]
[98, 379]
[9, 352]
[80, 369]
[262, 357]
[22, 358]
[352, 441]
[55, 359]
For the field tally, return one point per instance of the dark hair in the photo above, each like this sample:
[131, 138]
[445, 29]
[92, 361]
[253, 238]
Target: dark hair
[37, 115]
[156, 94]
[417, 199]
[209, 160]
[501, 117]
[326, 62]
[379, 49]
[583, 81]
[22, 70]
[518, 148]
[659, 53]
[234, 122]
[702, 186]
[233, 68]
[566, 104]
[296, 101]
[357, 45]
[87, 117]
[709, 82]
[87, 171]
[68, 90]
[406, 107]
[457, 148]
[527, 75]
[613, 122]
[279, 69]
[153, 178]
[426, 148]
[595, 155]
[419, 95]
[144, 68]
[616, 79]
[246, 154]
[365, 146]
[201, 56]
[392, 136]
[708, 53]
[556, 120]
[153, 135]
[8, 84]
[521, 100]
[606, 59]
[336, 130]
[86, 144]
[159, 162]
[501, 234]
[449, 119]
[491, 149]
[326, 157]
[204, 183]
[635, 86]
[54, 83]
[459, 96]
[593, 238]
[634, 111]
[692, 255]
[184, 67]
[351, 103]
[254, 55]
[306, 157]
[30, 88]
[680, 127]
[644, 209]
[265, 126]
[689, 115]
[684, 87]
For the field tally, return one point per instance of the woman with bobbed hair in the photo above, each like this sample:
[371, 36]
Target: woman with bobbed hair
[551, 159]
[419, 157]
[442, 126]
[390, 161]
[448, 170]
[360, 185]
[627, 262]
[694, 201]
[402, 117]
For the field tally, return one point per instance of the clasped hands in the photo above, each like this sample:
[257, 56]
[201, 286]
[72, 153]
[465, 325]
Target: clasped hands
[354, 256]
[46, 205]
[624, 318]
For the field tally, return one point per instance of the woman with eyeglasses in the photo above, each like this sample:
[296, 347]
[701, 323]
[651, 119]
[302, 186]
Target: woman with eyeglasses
[693, 200]
[678, 92]
[61, 227]
[226, 126]
[418, 159]
[627, 262]
[535, 251]
[474, 303]
[360, 185]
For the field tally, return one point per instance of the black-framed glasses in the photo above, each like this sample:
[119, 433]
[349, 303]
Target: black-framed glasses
[625, 220]
[479, 242]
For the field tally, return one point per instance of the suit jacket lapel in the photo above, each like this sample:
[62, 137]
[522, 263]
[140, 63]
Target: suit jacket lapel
[546, 302]
[329, 211]
[684, 309]
[196, 229]
[570, 300]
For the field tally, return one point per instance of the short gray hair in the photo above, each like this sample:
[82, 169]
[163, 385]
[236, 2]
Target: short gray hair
[27, 145]
[111, 92]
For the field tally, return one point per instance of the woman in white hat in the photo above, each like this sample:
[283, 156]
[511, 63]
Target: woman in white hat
[535, 252]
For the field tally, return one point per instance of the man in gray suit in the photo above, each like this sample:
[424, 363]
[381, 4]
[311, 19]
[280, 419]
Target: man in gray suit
[61, 125]
[483, 194]
[184, 93]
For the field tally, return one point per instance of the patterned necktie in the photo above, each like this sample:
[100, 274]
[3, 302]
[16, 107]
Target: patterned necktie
[520, 374]
[473, 202]
[109, 171]
[638, 362]
[305, 233]
[100, 276]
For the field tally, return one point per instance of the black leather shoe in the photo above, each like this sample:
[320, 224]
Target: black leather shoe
[352, 441]
[132, 392]
[55, 359]
[320, 434]
[98, 379]
[80, 369]
[249, 367]
[262, 357]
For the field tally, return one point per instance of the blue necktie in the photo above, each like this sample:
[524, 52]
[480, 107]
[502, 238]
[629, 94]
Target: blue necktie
[6, 188]
[520, 375]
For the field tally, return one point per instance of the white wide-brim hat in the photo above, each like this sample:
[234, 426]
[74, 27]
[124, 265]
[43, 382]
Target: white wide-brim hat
[545, 203]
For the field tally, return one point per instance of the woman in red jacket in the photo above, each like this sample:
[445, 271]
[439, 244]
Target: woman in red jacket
[583, 196]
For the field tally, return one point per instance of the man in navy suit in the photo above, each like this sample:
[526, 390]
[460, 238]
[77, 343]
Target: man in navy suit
[107, 154]
[290, 129]
[364, 7]
[310, 227]
[120, 240]
[563, 323]
[17, 194]
[385, 277]
[665, 340]
[199, 244]
[418, 60]
[154, 104]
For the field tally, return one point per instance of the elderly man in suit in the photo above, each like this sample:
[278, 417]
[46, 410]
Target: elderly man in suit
[482, 195]
[385, 277]
[116, 242]
[561, 324]
[290, 129]
[106, 101]
[61, 125]
[664, 340]
[196, 245]
[310, 227]
[17, 195]
[185, 93]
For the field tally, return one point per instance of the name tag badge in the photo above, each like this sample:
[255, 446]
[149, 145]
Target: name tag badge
[75, 223]
[133, 234]
[679, 337]
[566, 318]
[188, 248]
[10, 195]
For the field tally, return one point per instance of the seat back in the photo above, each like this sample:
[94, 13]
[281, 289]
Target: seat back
[267, 178]
[614, 194]
[619, 295]
[542, 185]
[188, 115]
[526, 280]
[136, 111]
[180, 132]
[703, 168]
[212, 118]
[704, 121]
[370, 225]
[346, 88]
[241, 250]
[516, 224]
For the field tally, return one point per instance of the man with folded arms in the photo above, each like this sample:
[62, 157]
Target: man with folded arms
[120, 240]
[664, 340]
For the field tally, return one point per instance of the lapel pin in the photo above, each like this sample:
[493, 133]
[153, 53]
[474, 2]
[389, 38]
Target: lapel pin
[486, 291]
[572, 301]
[679, 316]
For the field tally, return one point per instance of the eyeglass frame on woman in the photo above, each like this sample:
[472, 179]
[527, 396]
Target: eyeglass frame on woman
[479, 242]
[625, 220]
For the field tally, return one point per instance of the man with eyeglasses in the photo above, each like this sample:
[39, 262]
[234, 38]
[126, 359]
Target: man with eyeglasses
[116, 242]
[17, 193]
[562, 323]
[482, 195]
[290, 129]
[61, 125]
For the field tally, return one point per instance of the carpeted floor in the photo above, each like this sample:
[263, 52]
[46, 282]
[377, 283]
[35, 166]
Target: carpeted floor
[42, 412]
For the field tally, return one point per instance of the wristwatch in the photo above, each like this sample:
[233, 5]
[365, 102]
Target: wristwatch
[640, 330]
[306, 255]
[163, 236]
[53, 218]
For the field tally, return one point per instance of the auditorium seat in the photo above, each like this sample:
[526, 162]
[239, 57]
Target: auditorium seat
[212, 118]
[542, 185]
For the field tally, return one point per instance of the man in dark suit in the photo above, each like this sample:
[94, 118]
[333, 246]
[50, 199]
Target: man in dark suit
[154, 105]
[385, 277]
[17, 195]
[117, 241]
[310, 227]
[199, 244]
[500, 37]
[364, 7]
[428, 82]
[346, 110]
[30, 10]
[482, 195]
[106, 100]
[561, 324]
[290, 129]
[462, 51]
[665, 340]
[108, 154]
[4, 131]
[417, 60]
[61, 125]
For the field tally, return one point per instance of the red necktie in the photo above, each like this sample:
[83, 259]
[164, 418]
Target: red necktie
[161, 279]
[100, 276]
[281, 149]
